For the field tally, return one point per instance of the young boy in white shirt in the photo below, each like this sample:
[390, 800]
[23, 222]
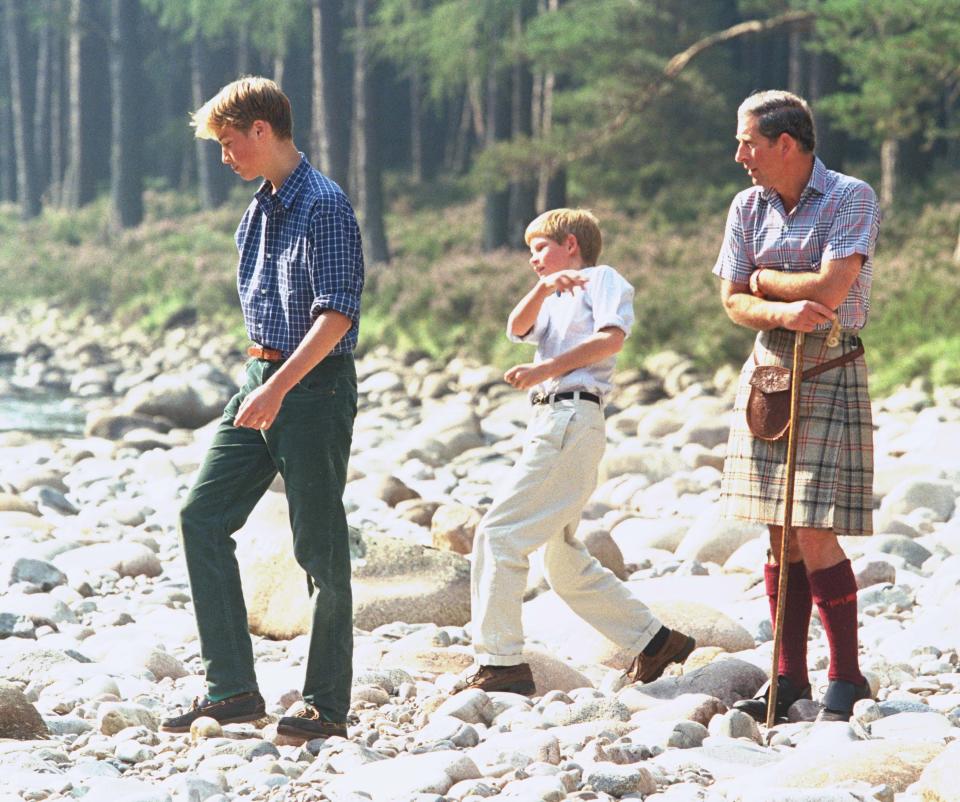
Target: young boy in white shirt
[578, 315]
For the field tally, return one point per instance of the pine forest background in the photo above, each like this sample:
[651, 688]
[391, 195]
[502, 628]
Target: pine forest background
[451, 123]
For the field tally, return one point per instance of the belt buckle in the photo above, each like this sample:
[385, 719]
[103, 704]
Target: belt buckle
[540, 398]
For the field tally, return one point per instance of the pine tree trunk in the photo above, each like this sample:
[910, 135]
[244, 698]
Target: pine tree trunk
[496, 207]
[889, 155]
[416, 126]
[79, 188]
[369, 184]
[28, 195]
[795, 61]
[330, 141]
[126, 178]
[41, 106]
[551, 183]
[212, 191]
[8, 189]
[57, 156]
[523, 192]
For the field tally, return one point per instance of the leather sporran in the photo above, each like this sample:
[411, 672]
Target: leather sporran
[768, 408]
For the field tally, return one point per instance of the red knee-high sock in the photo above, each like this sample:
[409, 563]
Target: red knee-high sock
[835, 592]
[796, 619]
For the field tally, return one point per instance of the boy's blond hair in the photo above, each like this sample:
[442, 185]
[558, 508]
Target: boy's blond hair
[241, 102]
[557, 224]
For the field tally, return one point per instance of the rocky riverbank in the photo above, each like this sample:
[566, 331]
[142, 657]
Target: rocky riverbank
[97, 639]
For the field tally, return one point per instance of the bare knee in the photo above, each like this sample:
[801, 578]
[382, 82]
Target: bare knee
[794, 553]
[820, 548]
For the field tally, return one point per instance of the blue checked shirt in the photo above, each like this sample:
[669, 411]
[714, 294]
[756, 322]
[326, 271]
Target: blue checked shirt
[300, 253]
[836, 217]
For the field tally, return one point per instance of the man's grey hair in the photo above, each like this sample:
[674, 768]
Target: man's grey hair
[779, 112]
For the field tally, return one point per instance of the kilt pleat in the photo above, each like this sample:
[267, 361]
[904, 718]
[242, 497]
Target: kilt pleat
[834, 473]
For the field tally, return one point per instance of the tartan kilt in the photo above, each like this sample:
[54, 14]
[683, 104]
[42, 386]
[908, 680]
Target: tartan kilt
[834, 472]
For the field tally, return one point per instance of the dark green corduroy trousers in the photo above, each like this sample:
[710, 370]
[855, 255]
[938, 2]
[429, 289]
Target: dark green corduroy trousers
[309, 444]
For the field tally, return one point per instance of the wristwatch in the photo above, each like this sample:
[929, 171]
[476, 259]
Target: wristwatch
[754, 283]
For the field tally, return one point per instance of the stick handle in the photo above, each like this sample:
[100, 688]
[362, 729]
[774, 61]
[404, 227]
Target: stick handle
[792, 438]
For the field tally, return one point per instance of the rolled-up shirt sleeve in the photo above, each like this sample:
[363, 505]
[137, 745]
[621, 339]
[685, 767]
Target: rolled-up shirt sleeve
[856, 224]
[611, 299]
[733, 263]
[534, 335]
[335, 264]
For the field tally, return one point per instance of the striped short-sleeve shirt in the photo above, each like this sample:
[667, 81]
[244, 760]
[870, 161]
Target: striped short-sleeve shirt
[836, 217]
[300, 253]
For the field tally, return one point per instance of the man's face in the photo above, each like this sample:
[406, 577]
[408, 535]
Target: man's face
[548, 256]
[240, 151]
[762, 158]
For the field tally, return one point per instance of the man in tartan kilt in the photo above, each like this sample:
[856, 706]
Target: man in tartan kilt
[797, 254]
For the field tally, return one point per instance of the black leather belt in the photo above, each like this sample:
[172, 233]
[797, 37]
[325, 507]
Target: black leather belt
[567, 396]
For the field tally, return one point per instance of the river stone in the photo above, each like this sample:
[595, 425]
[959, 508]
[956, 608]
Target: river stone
[635, 535]
[11, 502]
[635, 456]
[115, 716]
[896, 763]
[937, 495]
[14, 522]
[39, 478]
[419, 658]
[537, 746]
[405, 775]
[715, 539]
[127, 559]
[124, 790]
[735, 724]
[36, 572]
[418, 510]
[446, 430]
[188, 400]
[40, 608]
[587, 710]
[18, 718]
[453, 527]
[569, 636]
[472, 706]
[646, 709]
[938, 782]
[34, 664]
[14, 625]
[724, 758]
[113, 425]
[603, 547]
[728, 680]
[551, 674]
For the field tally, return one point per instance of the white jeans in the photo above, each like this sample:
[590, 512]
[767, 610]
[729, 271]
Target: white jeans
[539, 503]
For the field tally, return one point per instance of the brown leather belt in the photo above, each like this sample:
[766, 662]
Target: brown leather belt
[809, 373]
[267, 354]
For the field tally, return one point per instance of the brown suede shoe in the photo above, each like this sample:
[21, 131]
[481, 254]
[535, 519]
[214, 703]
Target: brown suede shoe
[511, 679]
[676, 648]
[241, 708]
[307, 724]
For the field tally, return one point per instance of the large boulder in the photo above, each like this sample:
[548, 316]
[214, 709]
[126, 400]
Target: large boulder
[127, 559]
[394, 580]
[938, 782]
[188, 399]
[715, 539]
[548, 619]
[446, 431]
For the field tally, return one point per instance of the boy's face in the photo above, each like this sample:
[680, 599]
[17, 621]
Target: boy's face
[242, 151]
[549, 256]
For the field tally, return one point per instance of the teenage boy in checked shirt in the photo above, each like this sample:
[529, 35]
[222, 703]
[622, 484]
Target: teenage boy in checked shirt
[578, 314]
[300, 277]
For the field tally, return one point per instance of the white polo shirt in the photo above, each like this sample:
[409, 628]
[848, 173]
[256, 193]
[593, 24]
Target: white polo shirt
[566, 320]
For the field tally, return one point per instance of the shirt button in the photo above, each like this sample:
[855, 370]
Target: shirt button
[267, 256]
[263, 291]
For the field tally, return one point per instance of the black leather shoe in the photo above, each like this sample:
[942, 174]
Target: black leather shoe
[840, 698]
[787, 694]
[307, 724]
[232, 710]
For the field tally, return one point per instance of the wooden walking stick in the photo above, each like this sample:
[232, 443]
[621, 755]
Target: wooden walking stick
[792, 435]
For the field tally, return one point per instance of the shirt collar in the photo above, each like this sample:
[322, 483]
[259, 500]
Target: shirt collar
[816, 183]
[289, 189]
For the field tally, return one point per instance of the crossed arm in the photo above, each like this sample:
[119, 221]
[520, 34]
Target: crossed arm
[799, 301]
